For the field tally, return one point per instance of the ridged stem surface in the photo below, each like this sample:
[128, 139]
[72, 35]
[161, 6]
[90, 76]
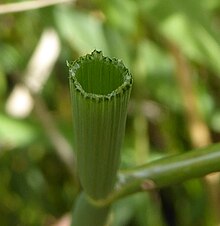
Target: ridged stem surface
[100, 89]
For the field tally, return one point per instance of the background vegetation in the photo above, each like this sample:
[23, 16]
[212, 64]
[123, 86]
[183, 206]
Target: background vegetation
[172, 48]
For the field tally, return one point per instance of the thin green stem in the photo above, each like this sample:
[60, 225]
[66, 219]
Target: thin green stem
[165, 172]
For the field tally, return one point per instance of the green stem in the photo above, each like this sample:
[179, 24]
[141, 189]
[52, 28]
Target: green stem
[86, 214]
[100, 89]
[165, 172]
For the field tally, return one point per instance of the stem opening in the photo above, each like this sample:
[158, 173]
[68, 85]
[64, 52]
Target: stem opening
[98, 77]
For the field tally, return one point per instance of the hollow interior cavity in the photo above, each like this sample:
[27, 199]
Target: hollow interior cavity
[99, 77]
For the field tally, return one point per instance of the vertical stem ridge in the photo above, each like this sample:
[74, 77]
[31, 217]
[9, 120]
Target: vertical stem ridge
[100, 90]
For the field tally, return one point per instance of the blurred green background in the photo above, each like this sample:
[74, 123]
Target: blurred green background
[172, 48]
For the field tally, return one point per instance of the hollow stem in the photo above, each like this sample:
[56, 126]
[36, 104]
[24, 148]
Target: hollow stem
[100, 90]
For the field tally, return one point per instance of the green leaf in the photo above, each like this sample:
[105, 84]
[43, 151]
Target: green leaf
[116, 11]
[188, 24]
[82, 31]
[16, 132]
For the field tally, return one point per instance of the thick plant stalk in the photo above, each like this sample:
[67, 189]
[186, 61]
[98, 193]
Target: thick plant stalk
[100, 89]
[85, 213]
